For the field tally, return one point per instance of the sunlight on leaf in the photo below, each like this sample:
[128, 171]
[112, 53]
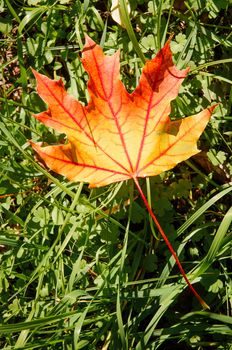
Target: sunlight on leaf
[116, 12]
[120, 136]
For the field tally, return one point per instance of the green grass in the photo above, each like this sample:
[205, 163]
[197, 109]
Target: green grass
[85, 268]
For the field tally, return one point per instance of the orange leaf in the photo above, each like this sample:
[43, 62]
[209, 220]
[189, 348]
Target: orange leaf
[119, 136]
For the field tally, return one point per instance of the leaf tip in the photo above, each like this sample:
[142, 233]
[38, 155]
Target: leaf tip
[35, 73]
[89, 43]
[212, 108]
[35, 145]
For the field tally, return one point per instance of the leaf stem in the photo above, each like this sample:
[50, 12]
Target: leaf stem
[202, 302]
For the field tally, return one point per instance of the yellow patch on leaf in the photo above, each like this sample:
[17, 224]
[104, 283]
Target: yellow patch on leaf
[118, 135]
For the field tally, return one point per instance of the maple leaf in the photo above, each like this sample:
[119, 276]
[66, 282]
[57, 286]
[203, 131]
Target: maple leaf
[119, 136]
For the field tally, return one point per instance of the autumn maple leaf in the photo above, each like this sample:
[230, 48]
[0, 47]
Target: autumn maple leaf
[119, 136]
